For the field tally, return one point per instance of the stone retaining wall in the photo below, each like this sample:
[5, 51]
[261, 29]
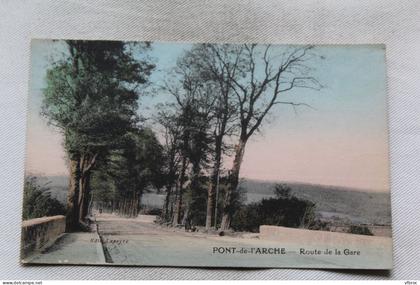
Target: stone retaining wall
[40, 233]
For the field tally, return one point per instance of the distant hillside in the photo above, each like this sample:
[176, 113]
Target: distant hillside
[332, 202]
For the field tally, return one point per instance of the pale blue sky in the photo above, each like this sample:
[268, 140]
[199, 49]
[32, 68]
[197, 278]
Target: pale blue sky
[342, 142]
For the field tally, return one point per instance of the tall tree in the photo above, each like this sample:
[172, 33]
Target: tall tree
[201, 62]
[130, 170]
[194, 102]
[91, 96]
[209, 60]
[264, 76]
[172, 135]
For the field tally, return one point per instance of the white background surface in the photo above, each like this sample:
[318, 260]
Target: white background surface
[395, 23]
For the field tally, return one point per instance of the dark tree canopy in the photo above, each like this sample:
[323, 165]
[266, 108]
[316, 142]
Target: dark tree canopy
[129, 171]
[37, 200]
[92, 94]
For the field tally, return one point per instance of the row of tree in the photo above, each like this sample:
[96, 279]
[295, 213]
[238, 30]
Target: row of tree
[92, 97]
[223, 93]
[221, 96]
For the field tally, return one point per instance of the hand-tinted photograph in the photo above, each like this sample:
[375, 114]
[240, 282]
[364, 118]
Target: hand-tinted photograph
[207, 155]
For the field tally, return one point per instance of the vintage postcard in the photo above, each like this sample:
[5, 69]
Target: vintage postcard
[207, 155]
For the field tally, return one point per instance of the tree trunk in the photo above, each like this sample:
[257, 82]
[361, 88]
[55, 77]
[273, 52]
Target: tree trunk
[172, 202]
[213, 186]
[78, 201]
[138, 205]
[83, 201]
[211, 202]
[186, 219]
[193, 206]
[233, 184]
[165, 210]
[84, 196]
[91, 205]
[178, 203]
[72, 213]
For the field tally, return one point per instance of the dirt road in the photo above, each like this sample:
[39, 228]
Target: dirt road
[122, 241]
[141, 242]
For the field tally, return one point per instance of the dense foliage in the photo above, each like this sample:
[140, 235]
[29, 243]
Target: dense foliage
[287, 211]
[359, 230]
[37, 201]
[92, 97]
[92, 93]
[122, 176]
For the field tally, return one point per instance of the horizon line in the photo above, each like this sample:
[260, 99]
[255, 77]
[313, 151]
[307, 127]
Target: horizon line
[337, 187]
